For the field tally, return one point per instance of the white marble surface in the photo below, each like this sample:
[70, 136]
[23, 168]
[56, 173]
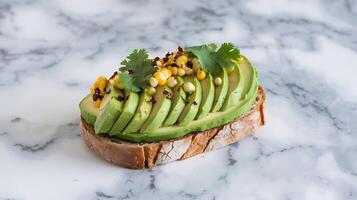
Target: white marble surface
[306, 52]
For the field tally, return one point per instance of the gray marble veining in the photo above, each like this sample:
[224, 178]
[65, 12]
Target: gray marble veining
[305, 51]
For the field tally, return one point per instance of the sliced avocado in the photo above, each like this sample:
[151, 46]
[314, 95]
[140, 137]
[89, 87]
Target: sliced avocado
[193, 102]
[109, 110]
[207, 86]
[249, 73]
[131, 102]
[89, 111]
[178, 103]
[212, 119]
[142, 113]
[160, 109]
[235, 89]
[220, 92]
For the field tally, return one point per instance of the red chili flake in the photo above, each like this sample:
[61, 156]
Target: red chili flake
[179, 49]
[114, 74]
[131, 71]
[165, 60]
[174, 65]
[100, 97]
[97, 91]
[167, 54]
[156, 58]
[194, 103]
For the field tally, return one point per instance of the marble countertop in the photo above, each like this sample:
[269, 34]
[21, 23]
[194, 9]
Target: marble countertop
[305, 51]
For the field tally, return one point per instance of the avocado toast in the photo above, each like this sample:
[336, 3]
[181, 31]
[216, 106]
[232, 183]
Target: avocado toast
[153, 111]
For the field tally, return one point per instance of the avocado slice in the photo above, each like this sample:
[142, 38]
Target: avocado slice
[235, 88]
[131, 102]
[89, 111]
[220, 92]
[109, 110]
[212, 119]
[207, 86]
[160, 109]
[178, 103]
[249, 73]
[142, 113]
[193, 102]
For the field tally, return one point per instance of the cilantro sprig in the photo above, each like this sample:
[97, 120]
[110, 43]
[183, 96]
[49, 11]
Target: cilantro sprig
[212, 60]
[137, 70]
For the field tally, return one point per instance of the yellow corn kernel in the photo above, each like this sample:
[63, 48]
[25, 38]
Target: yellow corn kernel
[153, 82]
[161, 78]
[188, 71]
[181, 60]
[97, 103]
[151, 91]
[101, 78]
[173, 70]
[171, 82]
[166, 72]
[200, 74]
[230, 69]
[181, 72]
[102, 84]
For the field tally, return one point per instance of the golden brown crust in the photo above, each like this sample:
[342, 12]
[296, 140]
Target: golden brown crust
[139, 156]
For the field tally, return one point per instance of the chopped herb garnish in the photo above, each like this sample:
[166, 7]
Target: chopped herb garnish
[213, 60]
[140, 69]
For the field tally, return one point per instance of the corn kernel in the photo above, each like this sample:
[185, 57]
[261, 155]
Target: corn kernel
[173, 70]
[230, 70]
[151, 91]
[153, 82]
[161, 78]
[181, 72]
[171, 82]
[189, 87]
[97, 103]
[101, 78]
[200, 74]
[167, 72]
[181, 60]
[188, 71]
[218, 81]
[195, 64]
[102, 84]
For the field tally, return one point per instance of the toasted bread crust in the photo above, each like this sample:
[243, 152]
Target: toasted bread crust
[141, 155]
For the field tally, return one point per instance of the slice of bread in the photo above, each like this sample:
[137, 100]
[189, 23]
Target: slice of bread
[141, 155]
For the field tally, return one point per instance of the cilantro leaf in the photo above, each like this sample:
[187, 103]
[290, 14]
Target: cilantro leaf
[129, 82]
[213, 61]
[226, 54]
[139, 69]
[204, 55]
